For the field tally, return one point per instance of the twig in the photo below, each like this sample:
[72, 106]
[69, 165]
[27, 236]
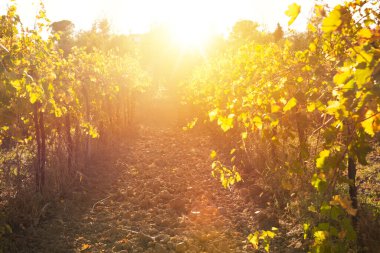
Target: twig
[41, 214]
[374, 115]
[4, 48]
[93, 207]
[323, 125]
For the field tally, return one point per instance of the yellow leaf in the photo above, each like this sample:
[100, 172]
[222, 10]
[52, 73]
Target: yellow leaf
[237, 177]
[16, 84]
[311, 28]
[254, 240]
[368, 123]
[365, 33]
[312, 47]
[271, 234]
[292, 12]
[51, 76]
[274, 108]
[345, 203]
[191, 124]
[332, 21]
[311, 107]
[258, 122]
[226, 123]
[213, 154]
[93, 133]
[320, 237]
[85, 246]
[291, 103]
[213, 114]
[342, 77]
[322, 157]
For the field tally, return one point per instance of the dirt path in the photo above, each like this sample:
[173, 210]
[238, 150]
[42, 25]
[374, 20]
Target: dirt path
[155, 195]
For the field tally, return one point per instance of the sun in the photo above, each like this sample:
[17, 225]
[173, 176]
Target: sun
[190, 22]
[189, 34]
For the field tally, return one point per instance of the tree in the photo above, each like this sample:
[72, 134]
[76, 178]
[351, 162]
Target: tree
[278, 33]
[247, 31]
[65, 28]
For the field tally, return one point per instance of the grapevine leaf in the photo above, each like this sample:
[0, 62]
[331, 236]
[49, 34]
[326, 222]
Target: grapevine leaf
[320, 237]
[345, 203]
[341, 78]
[368, 123]
[365, 33]
[85, 246]
[258, 122]
[226, 123]
[322, 158]
[254, 239]
[212, 114]
[363, 76]
[213, 154]
[291, 103]
[333, 21]
[312, 47]
[311, 107]
[292, 12]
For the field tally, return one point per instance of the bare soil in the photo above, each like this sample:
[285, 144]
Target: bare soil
[153, 193]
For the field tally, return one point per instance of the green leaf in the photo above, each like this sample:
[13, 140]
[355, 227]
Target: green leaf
[333, 21]
[9, 228]
[292, 12]
[290, 104]
[319, 182]
[362, 149]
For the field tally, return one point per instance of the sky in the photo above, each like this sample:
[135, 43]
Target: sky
[137, 16]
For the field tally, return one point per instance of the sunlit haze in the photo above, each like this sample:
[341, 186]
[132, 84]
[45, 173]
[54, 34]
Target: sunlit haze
[195, 16]
[189, 126]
